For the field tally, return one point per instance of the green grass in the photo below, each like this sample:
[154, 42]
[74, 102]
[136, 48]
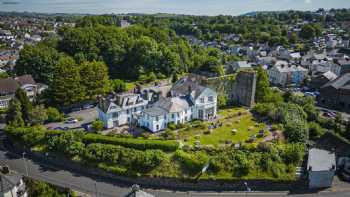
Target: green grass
[245, 125]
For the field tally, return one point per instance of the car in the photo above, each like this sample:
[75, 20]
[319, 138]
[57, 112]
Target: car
[76, 109]
[71, 121]
[88, 106]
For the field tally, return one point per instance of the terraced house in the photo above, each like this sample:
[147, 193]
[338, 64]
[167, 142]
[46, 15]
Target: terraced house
[186, 101]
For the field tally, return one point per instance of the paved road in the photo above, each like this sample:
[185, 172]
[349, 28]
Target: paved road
[108, 188]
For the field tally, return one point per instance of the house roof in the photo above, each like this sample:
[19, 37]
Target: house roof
[8, 182]
[342, 82]
[10, 85]
[289, 68]
[186, 86]
[320, 160]
[169, 105]
[330, 75]
[139, 193]
[344, 62]
[25, 79]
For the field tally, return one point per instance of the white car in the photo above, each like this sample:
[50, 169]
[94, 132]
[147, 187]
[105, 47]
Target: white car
[71, 121]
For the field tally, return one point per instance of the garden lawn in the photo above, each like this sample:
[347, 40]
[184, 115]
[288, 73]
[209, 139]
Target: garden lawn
[235, 118]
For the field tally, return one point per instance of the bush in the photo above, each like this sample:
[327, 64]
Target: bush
[293, 153]
[97, 125]
[112, 168]
[172, 126]
[140, 144]
[192, 162]
[315, 131]
[53, 115]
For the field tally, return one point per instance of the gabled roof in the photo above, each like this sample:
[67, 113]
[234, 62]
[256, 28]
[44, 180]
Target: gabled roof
[10, 85]
[25, 79]
[343, 82]
[185, 87]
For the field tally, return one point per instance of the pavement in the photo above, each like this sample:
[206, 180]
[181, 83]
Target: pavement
[87, 116]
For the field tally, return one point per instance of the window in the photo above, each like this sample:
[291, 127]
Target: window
[172, 116]
[202, 99]
[135, 109]
[115, 115]
[210, 98]
[157, 127]
[157, 118]
[127, 111]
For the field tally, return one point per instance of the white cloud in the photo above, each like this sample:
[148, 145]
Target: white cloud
[308, 1]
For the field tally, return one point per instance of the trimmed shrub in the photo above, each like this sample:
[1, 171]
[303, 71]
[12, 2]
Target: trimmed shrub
[140, 144]
[193, 162]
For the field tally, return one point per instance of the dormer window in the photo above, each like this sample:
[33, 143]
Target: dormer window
[210, 98]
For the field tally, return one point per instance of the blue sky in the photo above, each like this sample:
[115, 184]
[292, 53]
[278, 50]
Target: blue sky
[197, 7]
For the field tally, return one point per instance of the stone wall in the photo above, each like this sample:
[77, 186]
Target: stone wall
[240, 87]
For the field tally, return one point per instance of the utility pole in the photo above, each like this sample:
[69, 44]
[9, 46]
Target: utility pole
[25, 164]
[96, 189]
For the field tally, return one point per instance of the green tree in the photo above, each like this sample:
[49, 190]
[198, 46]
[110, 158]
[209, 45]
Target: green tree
[262, 85]
[38, 115]
[38, 61]
[94, 78]
[53, 115]
[118, 85]
[14, 114]
[222, 100]
[315, 130]
[66, 88]
[307, 32]
[97, 125]
[26, 105]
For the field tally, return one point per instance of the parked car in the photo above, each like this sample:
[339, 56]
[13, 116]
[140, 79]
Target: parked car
[88, 106]
[71, 121]
[75, 109]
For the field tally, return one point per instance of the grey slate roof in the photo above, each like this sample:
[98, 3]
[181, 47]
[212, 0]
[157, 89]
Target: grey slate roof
[342, 82]
[185, 86]
[8, 182]
[320, 160]
[169, 105]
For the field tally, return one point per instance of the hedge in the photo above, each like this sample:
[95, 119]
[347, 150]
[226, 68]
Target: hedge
[140, 144]
[193, 162]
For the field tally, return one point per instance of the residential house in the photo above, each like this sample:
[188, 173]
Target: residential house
[336, 94]
[12, 185]
[234, 66]
[9, 86]
[188, 101]
[137, 192]
[120, 109]
[321, 167]
[124, 23]
[286, 74]
[344, 67]
[321, 79]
